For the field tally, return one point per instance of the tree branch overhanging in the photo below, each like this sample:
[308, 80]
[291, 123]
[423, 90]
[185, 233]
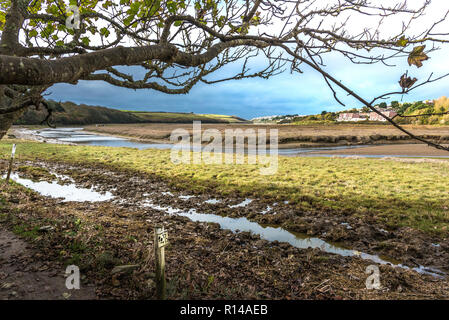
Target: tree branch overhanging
[178, 49]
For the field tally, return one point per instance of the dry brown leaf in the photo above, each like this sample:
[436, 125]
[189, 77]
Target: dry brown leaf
[417, 56]
[407, 82]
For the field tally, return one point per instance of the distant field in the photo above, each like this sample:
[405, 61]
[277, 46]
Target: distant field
[69, 113]
[291, 134]
[178, 117]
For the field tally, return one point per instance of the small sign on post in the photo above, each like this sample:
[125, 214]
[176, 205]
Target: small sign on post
[13, 153]
[160, 241]
[162, 238]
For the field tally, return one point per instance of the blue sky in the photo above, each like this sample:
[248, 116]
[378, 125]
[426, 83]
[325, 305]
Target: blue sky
[304, 93]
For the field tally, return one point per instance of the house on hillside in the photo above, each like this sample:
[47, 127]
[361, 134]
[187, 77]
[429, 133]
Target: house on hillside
[371, 116]
[352, 116]
[376, 117]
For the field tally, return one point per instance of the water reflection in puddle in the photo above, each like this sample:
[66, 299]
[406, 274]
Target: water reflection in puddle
[271, 234]
[73, 193]
[69, 192]
[212, 201]
[242, 204]
[185, 198]
[268, 209]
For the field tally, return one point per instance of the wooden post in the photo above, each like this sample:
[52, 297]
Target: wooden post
[160, 241]
[11, 162]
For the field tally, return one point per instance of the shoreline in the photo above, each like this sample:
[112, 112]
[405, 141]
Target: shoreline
[289, 136]
[379, 148]
[418, 150]
[27, 134]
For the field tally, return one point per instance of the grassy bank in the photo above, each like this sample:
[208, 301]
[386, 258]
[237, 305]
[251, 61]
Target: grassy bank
[181, 117]
[395, 193]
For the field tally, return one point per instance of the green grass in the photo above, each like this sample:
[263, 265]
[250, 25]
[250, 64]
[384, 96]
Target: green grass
[178, 117]
[230, 119]
[26, 231]
[396, 193]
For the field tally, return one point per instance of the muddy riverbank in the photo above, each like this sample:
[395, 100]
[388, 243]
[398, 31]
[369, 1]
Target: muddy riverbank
[24, 274]
[202, 254]
[78, 136]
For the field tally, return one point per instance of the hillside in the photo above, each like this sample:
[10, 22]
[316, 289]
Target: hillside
[422, 109]
[429, 112]
[180, 117]
[69, 113]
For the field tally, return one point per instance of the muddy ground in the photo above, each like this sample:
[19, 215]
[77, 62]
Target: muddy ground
[204, 261]
[391, 150]
[290, 136]
[25, 274]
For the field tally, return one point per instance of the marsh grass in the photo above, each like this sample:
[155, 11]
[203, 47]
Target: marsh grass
[395, 193]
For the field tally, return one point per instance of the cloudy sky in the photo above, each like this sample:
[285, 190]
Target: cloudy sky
[286, 93]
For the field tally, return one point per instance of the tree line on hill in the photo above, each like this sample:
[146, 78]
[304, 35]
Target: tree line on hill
[69, 113]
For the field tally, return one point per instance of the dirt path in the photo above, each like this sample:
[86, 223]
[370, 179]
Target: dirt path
[24, 274]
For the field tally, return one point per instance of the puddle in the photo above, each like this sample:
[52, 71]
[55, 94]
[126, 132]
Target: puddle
[212, 201]
[73, 193]
[347, 225]
[69, 192]
[297, 240]
[268, 209]
[185, 198]
[169, 210]
[242, 204]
